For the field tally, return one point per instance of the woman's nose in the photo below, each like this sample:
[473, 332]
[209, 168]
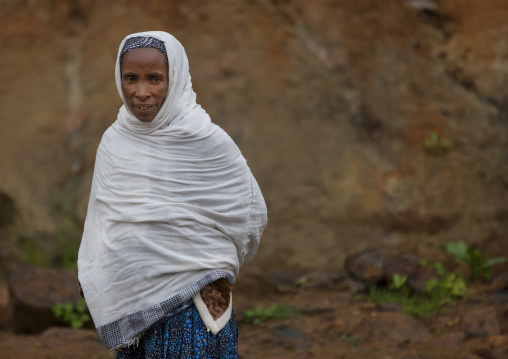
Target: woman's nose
[142, 92]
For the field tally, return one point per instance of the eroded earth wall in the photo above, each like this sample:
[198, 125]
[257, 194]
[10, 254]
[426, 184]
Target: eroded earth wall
[332, 103]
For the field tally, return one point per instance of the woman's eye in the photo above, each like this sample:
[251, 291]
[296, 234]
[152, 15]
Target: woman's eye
[156, 79]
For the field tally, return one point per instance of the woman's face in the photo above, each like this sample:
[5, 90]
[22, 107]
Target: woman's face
[145, 81]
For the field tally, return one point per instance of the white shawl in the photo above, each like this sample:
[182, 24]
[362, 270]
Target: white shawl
[173, 207]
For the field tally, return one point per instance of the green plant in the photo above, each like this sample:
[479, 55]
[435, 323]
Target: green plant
[398, 281]
[435, 145]
[279, 311]
[416, 305]
[73, 315]
[449, 286]
[351, 339]
[446, 287]
[479, 265]
[302, 280]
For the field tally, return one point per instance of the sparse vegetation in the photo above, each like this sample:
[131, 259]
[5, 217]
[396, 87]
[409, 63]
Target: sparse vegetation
[479, 265]
[72, 315]
[435, 145]
[351, 339]
[279, 311]
[445, 287]
[398, 281]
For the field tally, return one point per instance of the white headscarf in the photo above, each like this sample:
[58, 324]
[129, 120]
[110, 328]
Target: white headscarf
[180, 100]
[173, 207]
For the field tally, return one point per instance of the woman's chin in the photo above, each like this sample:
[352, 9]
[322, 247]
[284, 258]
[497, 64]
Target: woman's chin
[144, 117]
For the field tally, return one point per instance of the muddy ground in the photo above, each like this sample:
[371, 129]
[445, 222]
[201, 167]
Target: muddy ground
[333, 321]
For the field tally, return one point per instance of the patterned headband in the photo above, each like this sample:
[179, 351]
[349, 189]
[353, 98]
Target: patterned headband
[141, 41]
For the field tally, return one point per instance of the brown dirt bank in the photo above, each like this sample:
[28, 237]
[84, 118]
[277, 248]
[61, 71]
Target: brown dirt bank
[330, 101]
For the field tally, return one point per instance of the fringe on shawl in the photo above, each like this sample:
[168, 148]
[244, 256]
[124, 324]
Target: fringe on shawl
[131, 343]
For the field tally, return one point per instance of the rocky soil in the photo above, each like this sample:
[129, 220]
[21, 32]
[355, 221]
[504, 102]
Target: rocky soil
[331, 324]
[331, 317]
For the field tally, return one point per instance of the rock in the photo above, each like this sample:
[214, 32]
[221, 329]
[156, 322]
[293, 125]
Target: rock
[366, 266]
[34, 291]
[403, 264]
[395, 327]
[373, 266]
[481, 322]
[417, 282]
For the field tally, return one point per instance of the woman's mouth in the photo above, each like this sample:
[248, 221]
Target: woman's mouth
[143, 107]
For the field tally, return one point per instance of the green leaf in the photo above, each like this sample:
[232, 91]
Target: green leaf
[258, 315]
[398, 281]
[72, 315]
[459, 250]
[431, 284]
[494, 261]
[81, 306]
[438, 267]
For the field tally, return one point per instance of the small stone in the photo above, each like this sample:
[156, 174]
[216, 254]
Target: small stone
[366, 266]
[481, 322]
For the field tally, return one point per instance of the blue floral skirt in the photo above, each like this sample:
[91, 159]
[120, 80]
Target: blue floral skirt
[185, 336]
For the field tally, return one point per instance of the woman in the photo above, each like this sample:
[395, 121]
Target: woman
[174, 212]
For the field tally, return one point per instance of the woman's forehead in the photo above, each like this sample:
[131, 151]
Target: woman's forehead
[144, 57]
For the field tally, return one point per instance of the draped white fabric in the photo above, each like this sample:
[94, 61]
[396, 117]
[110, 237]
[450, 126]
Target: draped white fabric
[172, 200]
